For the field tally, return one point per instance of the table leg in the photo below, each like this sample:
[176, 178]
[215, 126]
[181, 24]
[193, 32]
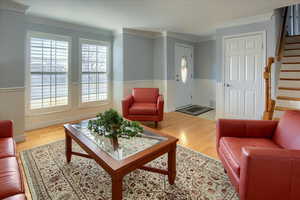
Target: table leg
[68, 147]
[117, 187]
[172, 165]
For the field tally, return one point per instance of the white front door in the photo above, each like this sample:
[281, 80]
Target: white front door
[243, 75]
[183, 75]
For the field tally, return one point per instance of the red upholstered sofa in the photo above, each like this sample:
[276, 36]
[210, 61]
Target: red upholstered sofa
[262, 158]
[11, 182]
[144, 104]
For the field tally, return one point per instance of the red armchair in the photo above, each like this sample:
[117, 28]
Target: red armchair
[144, 104]
[11, 182]
[262, 158]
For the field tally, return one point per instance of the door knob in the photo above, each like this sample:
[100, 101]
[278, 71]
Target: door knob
[227, 85]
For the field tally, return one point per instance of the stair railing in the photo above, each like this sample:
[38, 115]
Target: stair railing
[269, 102]
[282, 35]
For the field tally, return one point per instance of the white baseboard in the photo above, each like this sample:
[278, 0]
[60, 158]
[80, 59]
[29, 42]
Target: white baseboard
[20, 138]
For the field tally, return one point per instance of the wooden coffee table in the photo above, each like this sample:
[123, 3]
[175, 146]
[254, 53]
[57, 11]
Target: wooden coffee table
[132, 154]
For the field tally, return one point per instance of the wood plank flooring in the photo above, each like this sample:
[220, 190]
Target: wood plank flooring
[193, 132]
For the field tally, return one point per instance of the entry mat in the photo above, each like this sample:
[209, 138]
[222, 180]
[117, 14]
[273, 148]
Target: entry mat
[194, 110]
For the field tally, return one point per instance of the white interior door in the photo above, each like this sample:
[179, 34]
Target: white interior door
[243, 89]
[183, 75]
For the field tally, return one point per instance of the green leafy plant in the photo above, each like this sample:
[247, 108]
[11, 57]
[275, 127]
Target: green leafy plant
[110, 124]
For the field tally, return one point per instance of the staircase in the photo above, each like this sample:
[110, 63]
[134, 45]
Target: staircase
[288, 89]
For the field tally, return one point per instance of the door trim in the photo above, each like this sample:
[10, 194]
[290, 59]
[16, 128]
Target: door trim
[221, 92]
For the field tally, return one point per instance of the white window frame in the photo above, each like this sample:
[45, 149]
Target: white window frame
[100, 102]
[54, 109]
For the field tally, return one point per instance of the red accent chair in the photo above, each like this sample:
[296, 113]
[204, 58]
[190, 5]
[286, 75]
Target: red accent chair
[144, 104]
[11, 180]
[262, 158]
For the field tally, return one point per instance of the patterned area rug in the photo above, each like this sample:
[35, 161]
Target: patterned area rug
[50, 177]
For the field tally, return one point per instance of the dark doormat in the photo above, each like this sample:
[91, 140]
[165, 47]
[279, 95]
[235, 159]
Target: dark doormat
[194, 110]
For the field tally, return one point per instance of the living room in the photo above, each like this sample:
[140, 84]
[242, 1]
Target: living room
[149, 99]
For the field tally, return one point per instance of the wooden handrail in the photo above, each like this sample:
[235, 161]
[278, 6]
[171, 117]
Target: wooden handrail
[281, 37]
[269, 103]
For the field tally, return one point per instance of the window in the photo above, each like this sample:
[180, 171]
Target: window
[94, 71]
[184, 69]
[49, 64]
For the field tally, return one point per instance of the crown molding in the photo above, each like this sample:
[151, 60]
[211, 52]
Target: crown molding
[207, 38]
[246, 20]
[142, 33]
[182, 36]
[34, 19]
[191, 37]
[11, 5]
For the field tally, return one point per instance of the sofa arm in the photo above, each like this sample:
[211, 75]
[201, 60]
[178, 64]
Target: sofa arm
[268, 174]
[126, 103]
[245, 128]
[160, 106]
[6, 128]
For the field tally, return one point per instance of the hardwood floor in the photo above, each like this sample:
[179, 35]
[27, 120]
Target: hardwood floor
[193, 132]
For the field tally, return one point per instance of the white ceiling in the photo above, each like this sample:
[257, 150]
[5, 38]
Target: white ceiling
[186, 16]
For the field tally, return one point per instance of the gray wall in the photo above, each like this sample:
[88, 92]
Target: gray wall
[171, 55]
[277, 23]
[12, 47]
[118, 62]
[74, 31]
[159, 59]
[205, 58]
[13, 37]
[267, 26]
[138, 57]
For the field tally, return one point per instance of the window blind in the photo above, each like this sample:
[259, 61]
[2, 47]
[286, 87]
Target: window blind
[94, 72]
[49, 60]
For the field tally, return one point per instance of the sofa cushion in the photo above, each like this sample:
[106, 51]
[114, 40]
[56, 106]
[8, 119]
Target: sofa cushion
[287, 133]
[231, 148]
[16, 197]
[7, 147]
[145, 95]
[143, 109]
[10, 177]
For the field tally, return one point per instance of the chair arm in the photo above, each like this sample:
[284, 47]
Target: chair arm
[126, 103]
[6, 128]
[245, 128]
[268, 174]
[160, 106]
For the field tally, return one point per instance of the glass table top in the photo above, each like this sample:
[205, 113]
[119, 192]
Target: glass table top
[127, 147]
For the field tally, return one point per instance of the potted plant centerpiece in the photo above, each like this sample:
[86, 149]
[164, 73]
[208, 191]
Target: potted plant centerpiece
[110, 124]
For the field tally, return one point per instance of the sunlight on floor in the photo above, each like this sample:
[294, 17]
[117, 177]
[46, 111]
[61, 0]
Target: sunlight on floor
[210, 115]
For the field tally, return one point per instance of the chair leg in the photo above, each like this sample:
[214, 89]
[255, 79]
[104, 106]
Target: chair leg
[156, 124]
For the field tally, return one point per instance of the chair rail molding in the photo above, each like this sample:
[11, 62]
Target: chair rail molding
[12, 89]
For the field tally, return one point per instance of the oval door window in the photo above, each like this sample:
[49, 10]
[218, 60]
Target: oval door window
[184, 69]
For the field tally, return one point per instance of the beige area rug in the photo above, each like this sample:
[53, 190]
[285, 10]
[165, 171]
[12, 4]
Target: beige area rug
[50, 178]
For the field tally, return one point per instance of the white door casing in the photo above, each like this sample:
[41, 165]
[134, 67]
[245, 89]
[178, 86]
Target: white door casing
[244, 58]
[183, 75]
